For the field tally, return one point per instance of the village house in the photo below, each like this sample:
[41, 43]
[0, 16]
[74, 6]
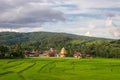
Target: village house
[77, 55]
[33, 53]
[51, 53]
[88, 56]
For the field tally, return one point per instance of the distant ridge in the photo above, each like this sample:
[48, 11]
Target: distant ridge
[11, 38]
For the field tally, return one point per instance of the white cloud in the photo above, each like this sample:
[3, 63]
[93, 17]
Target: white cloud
[88, 34]
[112, 28]
[9, 30]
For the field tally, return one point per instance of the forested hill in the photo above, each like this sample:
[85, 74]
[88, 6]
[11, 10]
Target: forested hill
[16, 43]
[11, 38]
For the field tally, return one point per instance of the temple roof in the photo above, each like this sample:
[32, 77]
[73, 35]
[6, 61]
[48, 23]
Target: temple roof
[63, 51]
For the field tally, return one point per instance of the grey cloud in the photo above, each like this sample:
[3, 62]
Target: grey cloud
[26, 13]
[112, 14]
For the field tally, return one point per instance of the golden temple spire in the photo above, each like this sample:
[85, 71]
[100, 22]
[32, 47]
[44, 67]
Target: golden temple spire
[62, 52]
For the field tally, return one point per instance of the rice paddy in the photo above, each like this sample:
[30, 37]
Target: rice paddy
[59, 69]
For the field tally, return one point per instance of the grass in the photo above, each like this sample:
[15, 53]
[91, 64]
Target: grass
[59, 69]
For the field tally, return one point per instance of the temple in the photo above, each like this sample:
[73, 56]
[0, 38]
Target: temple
[63, 52]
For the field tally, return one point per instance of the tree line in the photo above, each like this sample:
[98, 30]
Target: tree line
[11, 51]
[96, 48]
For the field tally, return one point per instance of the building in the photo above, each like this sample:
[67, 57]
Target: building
[77, 55]
[63, 52]
[51, 53]
[33, 53]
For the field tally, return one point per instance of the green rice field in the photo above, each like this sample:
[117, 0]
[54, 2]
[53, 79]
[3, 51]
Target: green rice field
[59, 69]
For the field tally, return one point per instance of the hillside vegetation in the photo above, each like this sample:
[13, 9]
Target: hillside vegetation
[14, 44]
[11, 38]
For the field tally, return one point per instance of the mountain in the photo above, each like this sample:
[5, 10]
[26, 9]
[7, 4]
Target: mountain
[11, 38]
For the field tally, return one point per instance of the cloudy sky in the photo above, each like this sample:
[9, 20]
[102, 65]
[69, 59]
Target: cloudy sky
[97, 18]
